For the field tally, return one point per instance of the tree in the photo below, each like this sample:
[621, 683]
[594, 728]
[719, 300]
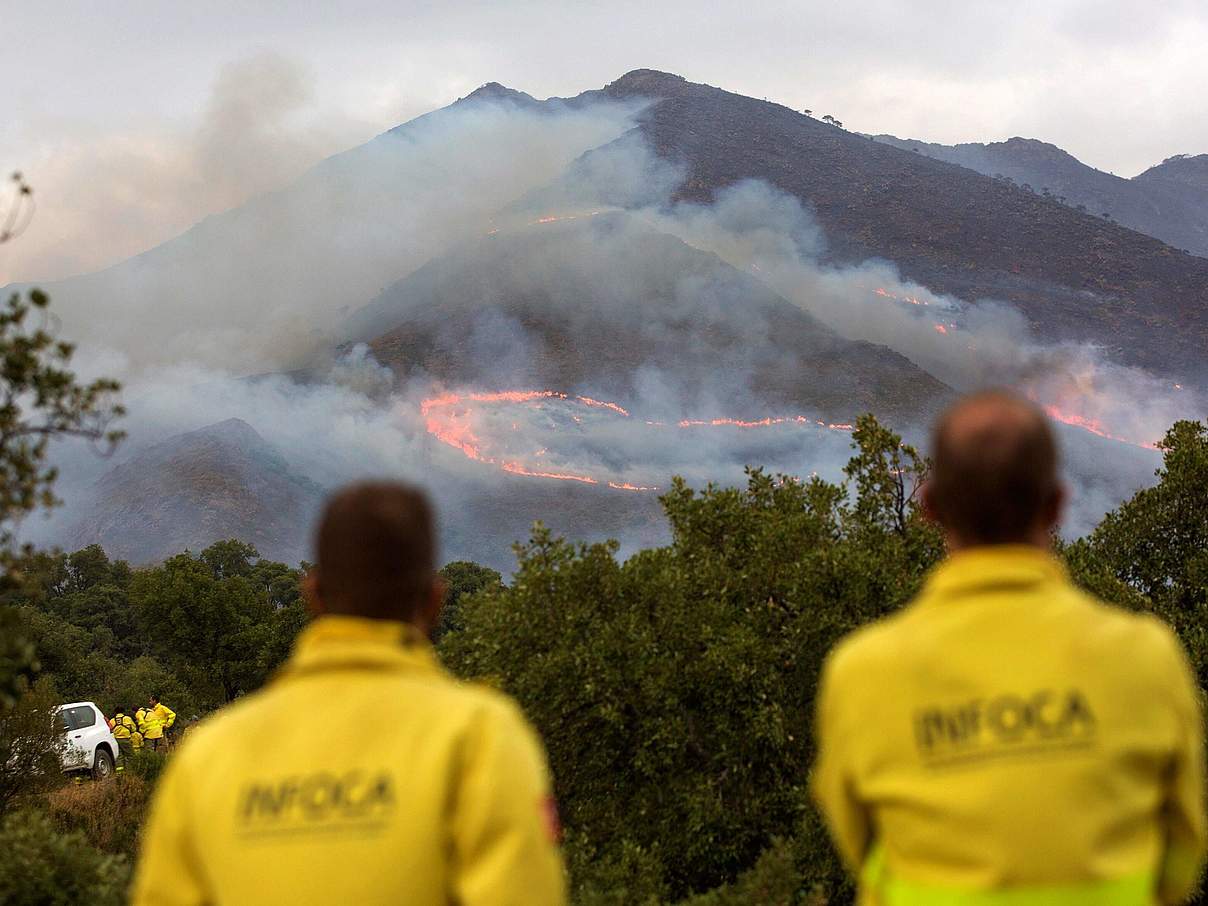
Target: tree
[40, 399]
[31, 743]
[1156, 543]
[219, 621]
[674, 691]
[20, 209]
[463, 578]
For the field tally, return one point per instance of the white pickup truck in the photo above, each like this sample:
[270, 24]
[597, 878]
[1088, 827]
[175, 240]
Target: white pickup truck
[90, 743]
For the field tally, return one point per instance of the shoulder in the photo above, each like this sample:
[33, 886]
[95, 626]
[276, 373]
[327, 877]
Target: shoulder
[868, 648]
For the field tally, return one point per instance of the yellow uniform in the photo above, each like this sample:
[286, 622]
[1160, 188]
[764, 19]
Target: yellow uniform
[122, 727]
[1007, 739]
[362, 774]
[156, 720]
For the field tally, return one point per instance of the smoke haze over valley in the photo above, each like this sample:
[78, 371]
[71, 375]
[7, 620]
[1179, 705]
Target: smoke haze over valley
[545, 309]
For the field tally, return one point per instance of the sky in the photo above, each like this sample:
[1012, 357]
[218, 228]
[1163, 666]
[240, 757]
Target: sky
[134, 120]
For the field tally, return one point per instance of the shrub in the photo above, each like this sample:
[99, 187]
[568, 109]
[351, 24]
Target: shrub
[31, 744]
[108, 813]
[41, 867]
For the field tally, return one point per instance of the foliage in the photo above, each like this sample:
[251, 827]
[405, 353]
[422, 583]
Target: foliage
[31, 744]
[41, 867]
[463, 578]
[108, 813]
[1156, 543]
[40, 399]
[223, 620]
[197, 630]
[674, 691]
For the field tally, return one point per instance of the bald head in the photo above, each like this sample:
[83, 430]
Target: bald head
[994, 472]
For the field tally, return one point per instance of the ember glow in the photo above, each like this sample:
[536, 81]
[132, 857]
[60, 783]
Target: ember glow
[1094, 426]
[451, 418]
[456, 420]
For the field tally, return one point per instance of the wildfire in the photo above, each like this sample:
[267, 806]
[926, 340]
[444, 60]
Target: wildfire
[940, 328]
[886, 294]
[448, 417]
[1094, 426]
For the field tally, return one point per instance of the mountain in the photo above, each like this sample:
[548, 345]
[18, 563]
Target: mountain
[600, 304]
[1072, 275]
[186, 492]
[1168, 201]
[423, 244]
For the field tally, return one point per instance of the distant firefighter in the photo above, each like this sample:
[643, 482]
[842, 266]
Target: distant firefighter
[1007, 738]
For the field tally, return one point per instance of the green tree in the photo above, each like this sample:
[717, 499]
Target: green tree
[674, 691]
[41, 867]
[40, 399]
[31, 743]
[463, 578]
[1156, 543]
[219, 621]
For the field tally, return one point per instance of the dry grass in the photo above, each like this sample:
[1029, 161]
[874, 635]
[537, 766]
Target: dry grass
[109, 812]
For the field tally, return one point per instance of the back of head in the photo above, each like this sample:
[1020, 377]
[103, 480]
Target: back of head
[376, 551]
[994, 475]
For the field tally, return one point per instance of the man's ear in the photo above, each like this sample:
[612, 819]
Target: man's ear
[310, 593]
[927, 498]
[1056, 508]
[429, 613]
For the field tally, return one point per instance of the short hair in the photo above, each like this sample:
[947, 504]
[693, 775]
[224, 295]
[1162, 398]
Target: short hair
[376, 551]
[994, 467]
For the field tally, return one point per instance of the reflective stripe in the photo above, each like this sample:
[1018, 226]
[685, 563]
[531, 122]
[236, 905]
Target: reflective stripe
[878, 887]
[1133, 891]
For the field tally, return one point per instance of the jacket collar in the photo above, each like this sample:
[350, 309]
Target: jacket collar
[339, 642]
[1000, 566]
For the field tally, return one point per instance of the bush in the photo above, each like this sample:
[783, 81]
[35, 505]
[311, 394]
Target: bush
[31, 744]
[41, 867]
[108, 813]
[146, 764]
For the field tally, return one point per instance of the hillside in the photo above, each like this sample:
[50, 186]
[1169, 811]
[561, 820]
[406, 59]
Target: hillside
[186, 492]
[602, 305]
[1072, 275]
[1168, 201]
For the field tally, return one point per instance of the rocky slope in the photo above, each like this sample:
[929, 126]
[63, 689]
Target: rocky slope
[1168, 201]
[186, 492]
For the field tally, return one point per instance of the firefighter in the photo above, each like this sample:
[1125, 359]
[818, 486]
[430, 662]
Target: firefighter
[164, 718]
[363, 773]
[124, 730]
[1007, 738]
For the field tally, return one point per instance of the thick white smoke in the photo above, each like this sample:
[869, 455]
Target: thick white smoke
[272, 286]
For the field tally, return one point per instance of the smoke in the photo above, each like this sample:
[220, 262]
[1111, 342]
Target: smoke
[105, 195]
[529, 245]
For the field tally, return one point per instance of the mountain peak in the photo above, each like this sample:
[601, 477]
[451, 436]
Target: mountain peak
[494, 91]
[1190, 170]
[648, 83]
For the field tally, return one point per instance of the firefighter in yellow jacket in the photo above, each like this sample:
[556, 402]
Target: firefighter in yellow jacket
[158, 720]
[124, 730]
[1006, 738]
[363, 773]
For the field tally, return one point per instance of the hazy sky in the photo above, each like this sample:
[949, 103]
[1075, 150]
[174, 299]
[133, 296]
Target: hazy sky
[135, 119]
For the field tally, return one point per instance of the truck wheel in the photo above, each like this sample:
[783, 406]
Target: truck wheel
[102, 764]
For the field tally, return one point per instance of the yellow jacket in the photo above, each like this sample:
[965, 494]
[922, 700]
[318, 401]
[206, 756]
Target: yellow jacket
[362, 774]
[156, 719]
[122, 726]
[1007, 739]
